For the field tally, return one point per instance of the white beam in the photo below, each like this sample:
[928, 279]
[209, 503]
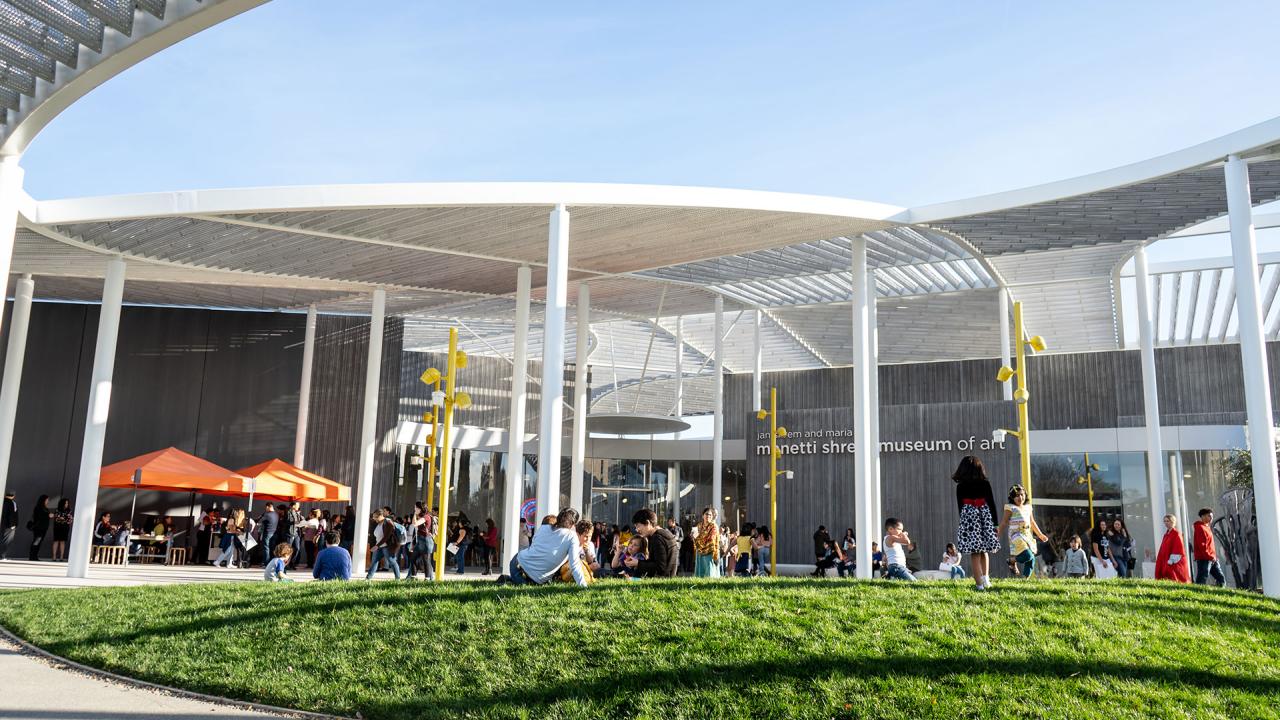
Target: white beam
[578, 452]
[1150, 396]
[873, 368]
[1253, 355]
[95, 425]
[717, 432]
[18, 324]
[864, 516]
[304, 389]
[756, 388]
[513, 491]
[1005, 359]
[552, 419]
[369, 432]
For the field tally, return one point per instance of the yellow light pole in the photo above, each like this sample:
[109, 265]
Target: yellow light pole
[1087, 477]
[432, 378]
[450, 399]
[775, 432]
[1020, 394]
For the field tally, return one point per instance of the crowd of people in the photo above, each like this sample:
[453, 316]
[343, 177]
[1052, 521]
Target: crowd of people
[564, 547]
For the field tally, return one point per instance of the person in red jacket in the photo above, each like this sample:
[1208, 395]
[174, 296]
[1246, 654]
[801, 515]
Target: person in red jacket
[1203, 548]
[1171, 561]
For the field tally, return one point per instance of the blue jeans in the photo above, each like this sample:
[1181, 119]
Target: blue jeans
[898, 572]
[382, 553]
[461, 556]
[957, 573]
[1205, 568]
[423, 549]
[1121, 563]
[518, 576]
[1026, 563]
[764, 560]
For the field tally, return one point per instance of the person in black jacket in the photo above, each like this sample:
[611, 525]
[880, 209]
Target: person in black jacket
[41, 519]
[977, 532]
[268, 526]
[8, 523]
[664, 551]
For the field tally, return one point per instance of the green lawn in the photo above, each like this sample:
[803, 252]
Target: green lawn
[683, 649]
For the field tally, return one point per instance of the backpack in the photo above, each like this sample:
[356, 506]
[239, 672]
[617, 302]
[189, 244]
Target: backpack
[402, 535]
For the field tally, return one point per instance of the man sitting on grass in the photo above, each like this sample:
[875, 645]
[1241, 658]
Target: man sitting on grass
[664, 551]
[333, 562]
[551, 548]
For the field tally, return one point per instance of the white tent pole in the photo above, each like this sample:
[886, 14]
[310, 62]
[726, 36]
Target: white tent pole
[552, 418]
[23, 292]
[304, 391]
[368, 432]
[514, 489]
[578, 451]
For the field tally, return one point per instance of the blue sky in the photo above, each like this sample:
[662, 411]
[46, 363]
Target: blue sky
[905, 103]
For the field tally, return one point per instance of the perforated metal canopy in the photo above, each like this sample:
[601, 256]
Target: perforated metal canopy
[447, 254]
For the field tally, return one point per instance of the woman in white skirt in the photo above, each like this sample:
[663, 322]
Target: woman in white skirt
[976, 535]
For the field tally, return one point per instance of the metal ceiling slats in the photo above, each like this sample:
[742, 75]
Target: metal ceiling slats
[154, 8]
[17, 79]
[38, 36]
[20, 55]
[117, 14]
[68, 19]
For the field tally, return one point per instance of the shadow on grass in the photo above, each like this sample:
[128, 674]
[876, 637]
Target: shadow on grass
[1018, 672]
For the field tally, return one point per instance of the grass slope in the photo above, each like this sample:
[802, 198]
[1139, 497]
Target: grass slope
[682, 649]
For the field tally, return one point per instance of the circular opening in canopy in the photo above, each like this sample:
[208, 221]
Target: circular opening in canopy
[634, 424]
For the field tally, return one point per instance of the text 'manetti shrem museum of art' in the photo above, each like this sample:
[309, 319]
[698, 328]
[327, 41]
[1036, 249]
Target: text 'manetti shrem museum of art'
[604, 321]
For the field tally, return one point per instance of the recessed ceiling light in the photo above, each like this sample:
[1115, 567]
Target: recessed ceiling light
[903, 307]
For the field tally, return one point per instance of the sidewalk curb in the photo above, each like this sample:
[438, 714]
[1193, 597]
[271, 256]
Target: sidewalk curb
[30, 649]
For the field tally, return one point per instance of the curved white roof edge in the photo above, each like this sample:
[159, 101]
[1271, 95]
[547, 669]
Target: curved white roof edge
[392, 195]
[1240, 142]
[183, 18]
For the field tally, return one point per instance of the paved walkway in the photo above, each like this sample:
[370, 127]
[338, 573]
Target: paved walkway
[26, 574]
[37, 690]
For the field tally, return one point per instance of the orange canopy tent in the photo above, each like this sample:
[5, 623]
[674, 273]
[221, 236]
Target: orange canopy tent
[174, 470]
[278, 479]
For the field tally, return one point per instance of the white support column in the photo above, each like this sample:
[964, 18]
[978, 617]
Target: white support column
[864, 515]
[95, 425]
[369, 433]
[1150, 397]
[1117, 295]
[513, 491]
[10, 192]
[578, 452]
[877, 492]
[756, 373]
[23, 291]
[717, 431]
[1253, 355]
[304, 390]
[1005, 345]
[552, 419]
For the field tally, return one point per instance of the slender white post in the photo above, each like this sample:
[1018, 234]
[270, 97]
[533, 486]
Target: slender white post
[95, 425]
[679, 369]
[1150, 397]
[10, 192]
[23, 291]
[369, 433]
[717, 432]
[1253, 355]
[1117, 293]
[757, 370]
[1005, 359]
[864, 514]
[304, 390]
[877, 504]
[552, 419]
[579, 450]
[514, 489]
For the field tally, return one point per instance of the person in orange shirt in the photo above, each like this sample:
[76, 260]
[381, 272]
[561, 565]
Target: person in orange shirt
[1171, 561]
[1203, 548]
